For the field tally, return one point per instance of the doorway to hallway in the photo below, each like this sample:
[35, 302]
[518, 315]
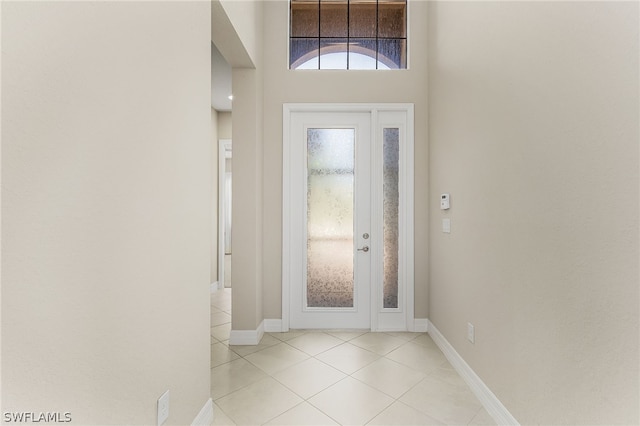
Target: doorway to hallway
[348, 216]
[225, 176]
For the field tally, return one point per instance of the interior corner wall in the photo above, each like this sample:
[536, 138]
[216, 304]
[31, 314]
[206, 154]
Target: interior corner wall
[106, 209]
[232, 28]
[237, 31]
[534, 133]
[245, 16]
[285, 85]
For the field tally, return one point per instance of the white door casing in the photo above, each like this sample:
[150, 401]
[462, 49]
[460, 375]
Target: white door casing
[370, 122]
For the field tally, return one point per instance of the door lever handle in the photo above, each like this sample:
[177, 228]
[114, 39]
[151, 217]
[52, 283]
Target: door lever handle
[364, 249]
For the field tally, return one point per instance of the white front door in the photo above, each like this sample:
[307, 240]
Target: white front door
[333, 208]
[348, 218]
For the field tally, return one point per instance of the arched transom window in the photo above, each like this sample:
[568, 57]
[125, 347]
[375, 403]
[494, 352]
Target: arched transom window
[348, 34]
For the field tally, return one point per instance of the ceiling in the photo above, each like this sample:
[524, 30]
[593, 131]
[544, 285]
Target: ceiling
[220, 81]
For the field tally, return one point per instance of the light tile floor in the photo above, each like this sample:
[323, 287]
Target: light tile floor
[334, 378]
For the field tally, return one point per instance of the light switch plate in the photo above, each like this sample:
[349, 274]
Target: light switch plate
[446, 226]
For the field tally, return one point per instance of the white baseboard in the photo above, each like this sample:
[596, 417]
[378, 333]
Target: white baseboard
[247, 337]
[420, 325]
[273, 325]
[216, 286]
[491, 403]
[205, 416]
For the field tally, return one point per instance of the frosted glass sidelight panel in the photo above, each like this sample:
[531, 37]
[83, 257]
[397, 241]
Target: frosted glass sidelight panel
[391, 196]
[330, 186]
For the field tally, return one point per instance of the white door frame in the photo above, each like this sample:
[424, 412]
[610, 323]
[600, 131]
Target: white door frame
[224, 146]
[381, 319]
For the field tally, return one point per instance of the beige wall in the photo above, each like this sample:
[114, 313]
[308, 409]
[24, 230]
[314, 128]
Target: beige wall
[248, 142]
[106, 214]
[534, 132]
[286, 85]
[247, 219]
[224, 125]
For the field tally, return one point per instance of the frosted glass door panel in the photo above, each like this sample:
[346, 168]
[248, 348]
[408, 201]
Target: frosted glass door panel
[330, 209]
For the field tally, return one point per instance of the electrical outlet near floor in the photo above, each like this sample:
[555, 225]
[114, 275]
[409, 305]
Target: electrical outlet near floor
[471, 333]
[163, 408]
